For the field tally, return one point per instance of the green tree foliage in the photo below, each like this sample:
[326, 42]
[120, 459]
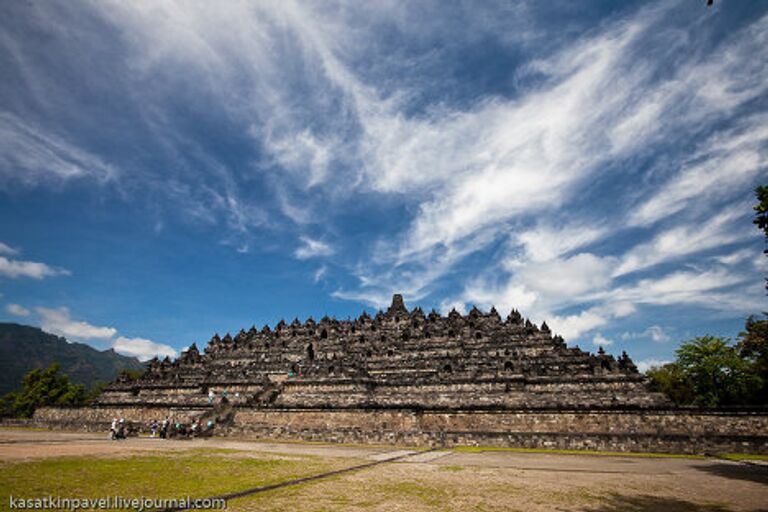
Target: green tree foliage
[671, 380]
[42, 387]
[709, 371]
[761, 216]
[719, 375]
[95, 391]
[753, 347]
[761, 209]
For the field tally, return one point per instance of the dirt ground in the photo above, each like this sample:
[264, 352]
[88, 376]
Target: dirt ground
[455, 480]
[20, 444]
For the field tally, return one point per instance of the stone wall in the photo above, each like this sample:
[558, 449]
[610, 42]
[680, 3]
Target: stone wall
[399, 359]
[661, 431]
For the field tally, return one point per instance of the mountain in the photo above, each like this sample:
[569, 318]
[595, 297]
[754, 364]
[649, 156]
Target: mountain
[23, 348]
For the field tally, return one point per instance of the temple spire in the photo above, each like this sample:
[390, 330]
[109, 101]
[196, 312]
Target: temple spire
[398, 305]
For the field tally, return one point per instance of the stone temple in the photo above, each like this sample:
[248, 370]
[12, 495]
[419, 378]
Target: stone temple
[396, 359]
[412, 378]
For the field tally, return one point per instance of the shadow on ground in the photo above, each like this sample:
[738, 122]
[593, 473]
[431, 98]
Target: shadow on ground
[619, 503]
[751, 473]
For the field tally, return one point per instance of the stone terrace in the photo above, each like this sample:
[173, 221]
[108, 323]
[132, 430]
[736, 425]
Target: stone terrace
[396, 359]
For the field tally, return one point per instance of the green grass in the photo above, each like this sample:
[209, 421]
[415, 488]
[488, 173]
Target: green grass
[743, 456]
[479, 449]
[196, 473]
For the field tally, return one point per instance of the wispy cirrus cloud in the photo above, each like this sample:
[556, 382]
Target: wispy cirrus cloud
[603, 171]
[726, 162]
[312, 249]
[491, 167]
[31, 155]
[722, 229]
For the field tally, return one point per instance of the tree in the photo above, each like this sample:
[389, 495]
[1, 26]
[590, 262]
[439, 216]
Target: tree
[761, 209]
[95, 391]
[718, 374]
[42, 387]
[753, 347]
[761, 216]
[671, 380]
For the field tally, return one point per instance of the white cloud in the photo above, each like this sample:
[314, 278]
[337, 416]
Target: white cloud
[312, 249]
[547, 243]
[566, 279]
[644, 365]
[33, 269]
[680, 287]
[574, 326]
[729, 161]
[688, 238]
[320, 273]
[737, 257]
[142, 348]
[469, 174]
[601, 341]
[305, 151]
[447, 306]
[504, 159]
[17, 310]
[654, 332]
[32, 155]
[657, 334]
[7, 249]
[475, 170]
[58, 321]
[505, 297]
[540, 288]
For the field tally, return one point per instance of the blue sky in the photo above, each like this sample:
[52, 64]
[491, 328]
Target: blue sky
[173, 169]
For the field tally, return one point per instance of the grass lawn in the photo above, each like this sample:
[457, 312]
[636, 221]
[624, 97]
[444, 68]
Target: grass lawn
[195, 473]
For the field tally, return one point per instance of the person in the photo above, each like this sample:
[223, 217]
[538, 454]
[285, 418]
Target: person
[113, 429]
[116, 428]
[164, 429]
[153, 428]
[121, 429]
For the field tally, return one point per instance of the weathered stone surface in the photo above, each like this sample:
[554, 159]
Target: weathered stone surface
[659, 431]
[409, 378]
[396, 359]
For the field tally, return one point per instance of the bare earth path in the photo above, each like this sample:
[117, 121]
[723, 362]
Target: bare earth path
[454, 480]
